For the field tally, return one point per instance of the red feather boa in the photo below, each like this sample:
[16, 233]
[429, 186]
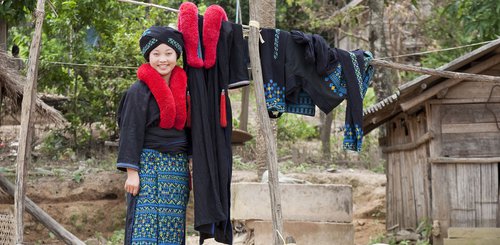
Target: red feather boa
[187, 23]
[171, 99]
[212, 22]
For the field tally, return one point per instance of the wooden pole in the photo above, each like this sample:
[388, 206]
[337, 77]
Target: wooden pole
[425, 95]
[41, 216]
[434, 72]
[265, 126]
[24, 149]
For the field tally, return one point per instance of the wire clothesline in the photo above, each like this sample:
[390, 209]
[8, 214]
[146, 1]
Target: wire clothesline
[384, 58]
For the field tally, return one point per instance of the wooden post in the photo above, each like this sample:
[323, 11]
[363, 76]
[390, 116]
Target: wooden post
[265, 126]
[41, 216]
[24, 149]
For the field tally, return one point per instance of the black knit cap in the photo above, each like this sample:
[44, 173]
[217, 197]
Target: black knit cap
[156, 35]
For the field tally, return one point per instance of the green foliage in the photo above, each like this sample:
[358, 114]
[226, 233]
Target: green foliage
[239, 164]
[103, 37]
[16, 11]
[315, 17]
[460, 22]
[116, 238]
[292, 127]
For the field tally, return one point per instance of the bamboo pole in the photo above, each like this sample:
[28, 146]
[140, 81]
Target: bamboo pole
[265, 125]
[29, 98]
[41, 216]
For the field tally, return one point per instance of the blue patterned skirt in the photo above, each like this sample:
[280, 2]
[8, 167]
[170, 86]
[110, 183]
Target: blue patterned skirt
[160, 208]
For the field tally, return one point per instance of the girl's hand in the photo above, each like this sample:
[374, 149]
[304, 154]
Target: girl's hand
[132, 182]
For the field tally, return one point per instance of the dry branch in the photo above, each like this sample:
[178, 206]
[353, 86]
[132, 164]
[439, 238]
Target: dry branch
[150, 5]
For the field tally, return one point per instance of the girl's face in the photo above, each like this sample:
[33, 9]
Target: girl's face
[163, 59]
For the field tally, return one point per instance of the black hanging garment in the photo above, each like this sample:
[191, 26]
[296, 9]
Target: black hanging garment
[215, 61]
[330, 75]
[273, 58]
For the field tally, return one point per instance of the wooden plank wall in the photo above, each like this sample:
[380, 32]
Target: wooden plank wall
[473, 236]
[408, 180]
[465, 126]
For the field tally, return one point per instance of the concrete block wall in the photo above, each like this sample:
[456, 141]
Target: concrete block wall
[312, 214]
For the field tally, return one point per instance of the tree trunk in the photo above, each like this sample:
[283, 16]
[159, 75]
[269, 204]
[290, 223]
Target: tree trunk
[3, 35]
[383, 82]
[267, 19]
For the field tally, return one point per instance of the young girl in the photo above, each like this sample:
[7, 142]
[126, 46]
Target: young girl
[153, 143]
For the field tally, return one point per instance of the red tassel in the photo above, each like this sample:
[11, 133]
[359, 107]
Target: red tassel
[188, 121]
[223, 118]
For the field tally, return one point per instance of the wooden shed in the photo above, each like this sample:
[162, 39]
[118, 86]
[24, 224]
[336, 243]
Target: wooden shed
[441, 141]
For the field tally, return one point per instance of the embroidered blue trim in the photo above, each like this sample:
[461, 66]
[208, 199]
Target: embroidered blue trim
[276, 43]
[175, 44]
[148, 45]
[353, 137]
[336, 82]
[275, 97]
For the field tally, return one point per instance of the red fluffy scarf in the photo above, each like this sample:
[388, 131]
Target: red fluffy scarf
[171, 99]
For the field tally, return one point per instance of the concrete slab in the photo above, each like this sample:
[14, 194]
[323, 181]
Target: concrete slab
[317, 233]
[325, 203]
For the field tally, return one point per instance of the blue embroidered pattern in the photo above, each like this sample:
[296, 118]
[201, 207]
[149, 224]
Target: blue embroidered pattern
[353, 137]
[160, 213]
[368, 56]
[148, 45]
[336, 80]
[275, 97]
[175, 44]
[146, 32]
[337, 84]
[276, 43]
[359, 78]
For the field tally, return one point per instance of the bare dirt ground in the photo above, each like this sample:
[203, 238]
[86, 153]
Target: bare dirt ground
[95, 208]
[87, 197]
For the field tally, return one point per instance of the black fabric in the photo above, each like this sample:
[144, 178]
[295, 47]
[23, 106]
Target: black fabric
[302, 74]
[239, 58]
[212, 153]
[354, 111]
[272, 58]
[165, 141]
[129, 220]
[138, 119]
[156, 35]
[317, 51]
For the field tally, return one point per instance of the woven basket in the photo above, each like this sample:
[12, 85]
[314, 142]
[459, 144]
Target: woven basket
[7, 229]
